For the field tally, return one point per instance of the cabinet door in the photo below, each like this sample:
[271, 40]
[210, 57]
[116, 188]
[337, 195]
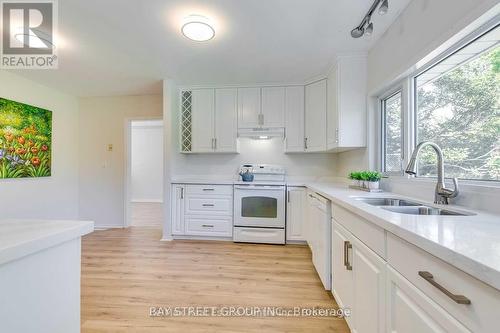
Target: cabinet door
[315, 121]
[226, 120]
[411, 311]
[295, 214]
[294, 119]
[177, 218]
[273, 106]
[310, 221]
[369, 283]
[203, 120]
[322, 258]
[342, 278]
[332, 130]
[248, 107]
[352, 75]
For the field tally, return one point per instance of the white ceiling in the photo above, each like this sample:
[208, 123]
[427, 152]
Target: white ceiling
[116, 47]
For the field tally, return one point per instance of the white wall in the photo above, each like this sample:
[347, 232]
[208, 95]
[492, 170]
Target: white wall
[255, 151]
[422, 30]
[55, 196]
[147, 161]
[102, 172]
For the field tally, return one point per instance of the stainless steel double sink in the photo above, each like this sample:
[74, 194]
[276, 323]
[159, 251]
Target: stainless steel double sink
[404, 206]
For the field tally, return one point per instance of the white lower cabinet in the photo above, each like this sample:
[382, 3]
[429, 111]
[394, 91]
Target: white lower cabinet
[411, 311]
[391, 285]
[296, 213]
[177, 206]
[342, 281]
[202, 210]
[358, 281]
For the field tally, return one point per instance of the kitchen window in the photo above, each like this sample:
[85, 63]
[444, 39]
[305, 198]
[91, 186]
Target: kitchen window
[454, 102]
[392, 136]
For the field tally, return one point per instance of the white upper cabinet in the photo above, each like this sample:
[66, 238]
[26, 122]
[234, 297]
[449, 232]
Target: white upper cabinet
[294, 119]
[249, 107]
[273, 107]
[203, 120]
[208, 121]
[347, 103]
[315, 116]
[226, 120]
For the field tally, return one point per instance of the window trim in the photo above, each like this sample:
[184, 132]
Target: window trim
[407, 85]
[383, 127]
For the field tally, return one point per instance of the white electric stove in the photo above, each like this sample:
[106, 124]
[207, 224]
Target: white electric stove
[259, 206]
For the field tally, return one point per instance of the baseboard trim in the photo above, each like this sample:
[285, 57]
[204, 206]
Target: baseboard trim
[106, 227]
[147, 200]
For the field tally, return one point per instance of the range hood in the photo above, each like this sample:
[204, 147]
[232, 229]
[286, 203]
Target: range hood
[261, 132]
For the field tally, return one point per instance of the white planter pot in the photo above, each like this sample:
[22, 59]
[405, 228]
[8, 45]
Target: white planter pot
[373, 185]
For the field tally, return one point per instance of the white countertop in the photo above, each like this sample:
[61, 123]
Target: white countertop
[19, 238]
[470, 243]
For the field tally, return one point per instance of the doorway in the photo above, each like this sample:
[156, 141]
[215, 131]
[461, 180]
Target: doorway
[145, 173]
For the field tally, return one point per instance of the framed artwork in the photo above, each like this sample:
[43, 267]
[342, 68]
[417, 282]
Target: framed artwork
[25, 140]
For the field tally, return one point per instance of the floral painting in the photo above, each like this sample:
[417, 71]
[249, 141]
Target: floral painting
[25, 140]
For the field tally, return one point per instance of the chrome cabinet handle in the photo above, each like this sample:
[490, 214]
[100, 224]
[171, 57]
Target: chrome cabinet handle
[207, 225]
[215, 143]
[208, 205]
[347, 246]
[288, 196]
[208, 189]
[305, 143]
[460, 299]
[182, 192]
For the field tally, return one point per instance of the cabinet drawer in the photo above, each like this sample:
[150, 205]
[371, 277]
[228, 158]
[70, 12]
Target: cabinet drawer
[409, 310]
[481, 315]
[209, 226]
[210, 189]
[373, 236]
[259, 235]
[211, 205]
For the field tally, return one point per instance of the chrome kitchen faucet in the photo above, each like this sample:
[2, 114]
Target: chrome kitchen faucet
[442, 194]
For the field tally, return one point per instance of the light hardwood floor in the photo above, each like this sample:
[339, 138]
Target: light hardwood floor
[126, 271]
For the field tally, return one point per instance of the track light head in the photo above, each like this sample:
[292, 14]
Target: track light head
[369, 29]
[357, 32]
[384, 7]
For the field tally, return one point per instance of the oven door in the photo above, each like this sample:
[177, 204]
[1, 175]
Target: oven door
[259, 206]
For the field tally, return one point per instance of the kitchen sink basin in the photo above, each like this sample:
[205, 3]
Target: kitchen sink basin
[388, 202]
[403, 206]
[423, 210]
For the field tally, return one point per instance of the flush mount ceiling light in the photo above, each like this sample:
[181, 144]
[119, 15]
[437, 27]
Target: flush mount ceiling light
[366, 26]
[197, 28]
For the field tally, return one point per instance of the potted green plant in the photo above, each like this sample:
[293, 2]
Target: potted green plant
[355, 178]
[366, 179]
[372, 180]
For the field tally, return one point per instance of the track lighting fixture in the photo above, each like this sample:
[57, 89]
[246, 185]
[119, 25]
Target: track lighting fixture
[366, 26]
[384, 7]
[369, 29]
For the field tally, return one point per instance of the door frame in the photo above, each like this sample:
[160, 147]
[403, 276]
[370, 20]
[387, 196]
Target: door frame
[127, 164]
